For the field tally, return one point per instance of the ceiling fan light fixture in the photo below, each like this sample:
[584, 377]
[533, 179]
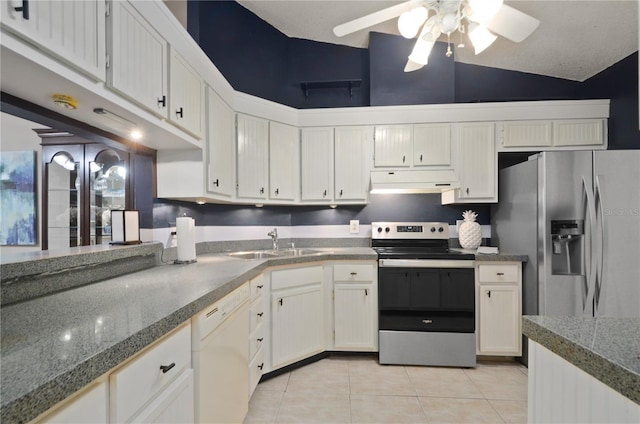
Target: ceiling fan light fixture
[421, 51]
[484, 10]
[409, 22]
[480, 37]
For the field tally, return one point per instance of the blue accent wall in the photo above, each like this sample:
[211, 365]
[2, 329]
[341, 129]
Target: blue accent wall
[382, 207]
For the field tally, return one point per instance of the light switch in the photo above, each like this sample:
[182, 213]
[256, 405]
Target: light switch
[354, 226]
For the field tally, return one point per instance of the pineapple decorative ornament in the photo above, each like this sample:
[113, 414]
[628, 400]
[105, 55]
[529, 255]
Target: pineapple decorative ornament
[470, 234]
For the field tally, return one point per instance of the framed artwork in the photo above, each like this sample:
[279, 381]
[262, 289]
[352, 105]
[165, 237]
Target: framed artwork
[18, 198]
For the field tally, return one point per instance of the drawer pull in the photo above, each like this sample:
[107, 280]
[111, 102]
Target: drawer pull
[366, 292]
[166, 368]
[260, 339]
[261, 365]
[499, 273]
[260, 286]
[260, 314]
[354, 273]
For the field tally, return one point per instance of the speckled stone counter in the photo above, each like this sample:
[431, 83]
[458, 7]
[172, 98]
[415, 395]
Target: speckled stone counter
[54, 345]
[494, 257]
[606, 348]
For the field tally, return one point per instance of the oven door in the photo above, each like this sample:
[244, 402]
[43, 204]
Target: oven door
[426, 295]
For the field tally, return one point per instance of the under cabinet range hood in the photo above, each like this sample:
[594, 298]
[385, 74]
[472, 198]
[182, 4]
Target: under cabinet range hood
[414, 181]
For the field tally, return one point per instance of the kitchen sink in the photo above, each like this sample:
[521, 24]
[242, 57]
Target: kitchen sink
[254, 254]
[297, 252]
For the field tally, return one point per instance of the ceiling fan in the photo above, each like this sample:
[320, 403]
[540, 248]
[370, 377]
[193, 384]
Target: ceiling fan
[480, 19]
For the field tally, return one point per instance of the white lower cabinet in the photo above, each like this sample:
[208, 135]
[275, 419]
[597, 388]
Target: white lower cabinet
[355, 302]
[560, 392]
[297, 320]
[499, 308]
[136, 388]
[89, 406]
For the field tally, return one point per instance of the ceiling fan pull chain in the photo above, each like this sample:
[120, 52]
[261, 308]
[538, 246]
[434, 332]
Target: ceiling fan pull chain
[449, 52]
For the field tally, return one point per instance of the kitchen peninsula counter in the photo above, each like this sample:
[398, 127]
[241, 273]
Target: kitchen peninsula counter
[606, 348]
[54, 345]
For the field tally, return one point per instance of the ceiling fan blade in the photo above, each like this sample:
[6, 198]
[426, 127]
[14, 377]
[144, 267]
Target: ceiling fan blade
[412, 66]
[375, 18]
[512, 24]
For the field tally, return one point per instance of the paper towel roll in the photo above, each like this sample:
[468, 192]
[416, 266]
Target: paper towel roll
[186, 237]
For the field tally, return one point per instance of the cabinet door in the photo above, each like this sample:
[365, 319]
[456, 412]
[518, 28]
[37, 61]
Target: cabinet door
[499, 318]
[316, 164]
[89, 407]
[297, 324]
[283, 161]
[138, 64]
[352, 163]
[477, 165]
[579, 132]
[526, 134]
[392, 145]
[220, 142]
[74, 31]
[252, 157]
[432, 145]
[354, 316]
[186, 96]
[174, 405]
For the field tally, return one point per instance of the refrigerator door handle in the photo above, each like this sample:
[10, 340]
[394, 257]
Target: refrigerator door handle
[602, 247]
[589, 264]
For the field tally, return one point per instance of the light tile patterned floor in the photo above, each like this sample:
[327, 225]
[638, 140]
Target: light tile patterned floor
[356, 389]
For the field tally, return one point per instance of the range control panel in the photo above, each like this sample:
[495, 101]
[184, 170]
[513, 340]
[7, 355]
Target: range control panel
[409, 230]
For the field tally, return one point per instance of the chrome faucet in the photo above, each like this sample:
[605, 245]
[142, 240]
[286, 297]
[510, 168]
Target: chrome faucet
[274, 238]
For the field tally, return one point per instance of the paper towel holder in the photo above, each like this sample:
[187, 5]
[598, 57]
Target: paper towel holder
[184, 261]
[125, 227]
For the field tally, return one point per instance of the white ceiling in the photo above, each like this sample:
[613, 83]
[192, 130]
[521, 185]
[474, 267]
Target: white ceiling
[575, 40]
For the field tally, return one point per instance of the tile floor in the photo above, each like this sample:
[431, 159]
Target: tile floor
[356, 389]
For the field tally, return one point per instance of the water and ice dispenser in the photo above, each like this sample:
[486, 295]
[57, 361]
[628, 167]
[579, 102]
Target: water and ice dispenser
[567, 244]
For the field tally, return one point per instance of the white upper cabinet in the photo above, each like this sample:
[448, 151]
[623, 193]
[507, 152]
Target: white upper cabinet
[393, 146]
[252, 157]
[186, 96]
[561, 134]
[432, 145]
[72, 30]
[352, 161]
[579, 132]
[316, 164]
[220, 145]
[526, 134]
[138, 61]
[284, 142]
[477, 165]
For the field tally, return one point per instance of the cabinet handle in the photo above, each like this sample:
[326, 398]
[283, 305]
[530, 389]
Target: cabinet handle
[499, 273]
[324, 194]
[354, 273]
[261, 339]
[260, 314]
[488, 293]
[260, 286]
[261, 190]
[280, 302]
[179, 112]
[467, 190]
[366, 292]
[24, 9]
[340, 192]
[163, 101]
[403, 158]
[277, 191]
[261, 365]
[165, 368]
[216, 183]
[420, 157]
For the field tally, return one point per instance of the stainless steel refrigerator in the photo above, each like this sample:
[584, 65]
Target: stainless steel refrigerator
[577, 216]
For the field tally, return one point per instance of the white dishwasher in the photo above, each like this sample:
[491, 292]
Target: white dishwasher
[220, 356]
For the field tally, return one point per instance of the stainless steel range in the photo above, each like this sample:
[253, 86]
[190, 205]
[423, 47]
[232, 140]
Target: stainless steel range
[426, 296]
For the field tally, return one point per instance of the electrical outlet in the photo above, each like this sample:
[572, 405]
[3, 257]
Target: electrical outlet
[354, 226]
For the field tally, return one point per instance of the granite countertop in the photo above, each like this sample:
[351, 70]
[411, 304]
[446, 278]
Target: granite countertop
[494, 257]
[607, 348]
[54, 345]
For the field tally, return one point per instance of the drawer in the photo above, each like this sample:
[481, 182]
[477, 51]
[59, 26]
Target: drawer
[257, 286]
[498, 273]
[255, 371]
[256, 340]
[352, 272]
[256, 315]
[296, 277]
[133, 385]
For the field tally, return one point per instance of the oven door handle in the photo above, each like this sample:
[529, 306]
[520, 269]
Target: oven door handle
[426, 263]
